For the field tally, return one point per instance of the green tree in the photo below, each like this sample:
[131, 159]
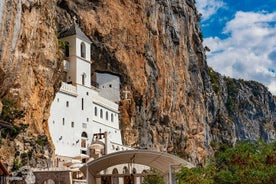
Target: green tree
[198, 175]
[247, 162]
[154, 178]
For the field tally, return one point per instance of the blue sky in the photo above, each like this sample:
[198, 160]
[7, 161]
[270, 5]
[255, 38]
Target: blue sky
[242, 37]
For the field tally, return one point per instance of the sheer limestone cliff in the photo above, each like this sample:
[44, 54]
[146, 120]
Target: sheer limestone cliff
[241, 110]
[29, 75]
[176, 104]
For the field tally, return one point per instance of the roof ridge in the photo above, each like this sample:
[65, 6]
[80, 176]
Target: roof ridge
[75, 30]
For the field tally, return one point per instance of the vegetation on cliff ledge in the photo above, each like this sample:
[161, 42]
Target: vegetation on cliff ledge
[245, 163]
[7, 117]
[214, 78]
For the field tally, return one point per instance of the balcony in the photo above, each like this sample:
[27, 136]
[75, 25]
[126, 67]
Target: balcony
[68, 89]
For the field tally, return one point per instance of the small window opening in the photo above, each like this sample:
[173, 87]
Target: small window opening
[82, 50]
[95, 111]
[67, 49]
[106, 115]
[112, 117]
[101, 113]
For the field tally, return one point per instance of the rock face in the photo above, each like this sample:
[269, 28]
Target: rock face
[29, 68]
[240, 110]
[176, 104]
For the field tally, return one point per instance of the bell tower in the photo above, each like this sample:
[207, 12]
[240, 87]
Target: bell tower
[77, 63]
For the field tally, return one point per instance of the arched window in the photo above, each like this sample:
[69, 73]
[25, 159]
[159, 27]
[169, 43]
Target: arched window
[83, 139]
[84, 135]
[95, 111]
[101, 113]
[125, 170]
[115, 178]
[67, 49]
[115, 171]
[83, 53]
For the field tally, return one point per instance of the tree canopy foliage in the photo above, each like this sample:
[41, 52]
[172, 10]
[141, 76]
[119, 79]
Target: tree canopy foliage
[245, 163]
[155, 178]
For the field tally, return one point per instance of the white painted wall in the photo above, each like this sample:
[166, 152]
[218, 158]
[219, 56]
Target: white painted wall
[109, 86]
[67, 145]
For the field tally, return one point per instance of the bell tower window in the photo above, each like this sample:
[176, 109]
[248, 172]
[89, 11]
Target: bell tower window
[67, 49]
[83, 53]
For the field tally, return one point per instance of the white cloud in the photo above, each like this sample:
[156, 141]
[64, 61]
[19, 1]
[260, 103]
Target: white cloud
[250, 50]
[208, 8]
[272, 87]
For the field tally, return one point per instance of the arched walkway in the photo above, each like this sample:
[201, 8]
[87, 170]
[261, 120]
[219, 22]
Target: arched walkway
[158, 160]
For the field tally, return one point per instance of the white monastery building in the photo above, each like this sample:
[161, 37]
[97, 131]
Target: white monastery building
[82, 114]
